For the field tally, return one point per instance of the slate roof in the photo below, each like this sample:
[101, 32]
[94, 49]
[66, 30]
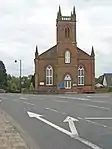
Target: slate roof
[108, 77]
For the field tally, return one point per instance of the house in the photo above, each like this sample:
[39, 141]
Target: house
[107, 80]
[65, 66]
[98, 85]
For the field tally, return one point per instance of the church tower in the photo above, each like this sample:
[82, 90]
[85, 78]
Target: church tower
[66, 46]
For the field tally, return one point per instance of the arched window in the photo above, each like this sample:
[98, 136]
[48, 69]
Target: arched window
[67, 32]
[67, 81]
[80, 75]
[49, 75]
[67, 57]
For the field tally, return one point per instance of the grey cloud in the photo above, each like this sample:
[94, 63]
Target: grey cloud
[25, 23]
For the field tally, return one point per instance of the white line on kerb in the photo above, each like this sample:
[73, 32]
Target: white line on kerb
[54, 110]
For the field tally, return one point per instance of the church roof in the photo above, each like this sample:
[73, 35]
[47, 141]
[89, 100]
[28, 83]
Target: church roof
[49, 54]
[52, 53]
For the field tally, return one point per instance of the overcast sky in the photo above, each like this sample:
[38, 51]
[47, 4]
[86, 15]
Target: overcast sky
[25, 23]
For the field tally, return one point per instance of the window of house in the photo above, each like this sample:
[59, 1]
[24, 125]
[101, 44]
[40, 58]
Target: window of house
[49, 75]
[67, 56]
[80, 75]
[67, 82]
[67, 32]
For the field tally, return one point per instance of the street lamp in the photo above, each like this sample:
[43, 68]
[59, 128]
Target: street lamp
[19, 72]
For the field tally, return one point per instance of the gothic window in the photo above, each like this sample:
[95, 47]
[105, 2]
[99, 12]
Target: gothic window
[49, 75]
[67, 57]
[67, 32]
[80, 75]
[67, 82]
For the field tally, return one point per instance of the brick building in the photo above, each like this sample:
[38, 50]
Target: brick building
[65, 66]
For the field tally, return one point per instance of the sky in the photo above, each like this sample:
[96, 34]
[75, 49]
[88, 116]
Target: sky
[27, 23]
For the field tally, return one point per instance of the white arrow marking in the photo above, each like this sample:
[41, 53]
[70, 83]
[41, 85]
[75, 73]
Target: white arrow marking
[49, 123]
[98, 118]
[71, 121]
[38, 116]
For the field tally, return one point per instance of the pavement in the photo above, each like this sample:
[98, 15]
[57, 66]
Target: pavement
[70, 121]
[9, 137]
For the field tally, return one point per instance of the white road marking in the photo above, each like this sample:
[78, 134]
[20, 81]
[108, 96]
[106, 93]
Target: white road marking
[54, 110]
[71, 121]
[100, 96]
[93, 106]
[84, 141]
[98, 118]
[96, 123]
[76, 98]
[0, 101]
[84, 99]
[23, 98]
[60, 101]
[29, 103]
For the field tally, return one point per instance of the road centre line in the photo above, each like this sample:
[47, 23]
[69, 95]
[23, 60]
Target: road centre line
[60, 101]
[96, 123]
[98, 118]
[93, 106]
[76, 98]
[83, 99]
[54, 110]
[29, 103]
[23, 98]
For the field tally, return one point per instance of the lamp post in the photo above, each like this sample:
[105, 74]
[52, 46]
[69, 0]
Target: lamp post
[19, 72]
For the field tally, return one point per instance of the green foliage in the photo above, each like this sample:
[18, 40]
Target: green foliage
[13, 83]
[3, 75]
[99, 80]
[31, 86]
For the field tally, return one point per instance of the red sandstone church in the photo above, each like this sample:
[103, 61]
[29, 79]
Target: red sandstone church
[65, 67]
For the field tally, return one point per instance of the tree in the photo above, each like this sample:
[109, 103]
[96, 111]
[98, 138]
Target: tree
[31, 86]
[3, 75]
[33, 80]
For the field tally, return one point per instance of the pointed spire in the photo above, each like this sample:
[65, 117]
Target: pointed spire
[60, 10]
[59, 15]
[36, 52]
[92, 52]
[74, 10]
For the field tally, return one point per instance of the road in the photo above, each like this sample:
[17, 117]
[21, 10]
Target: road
[69, 121]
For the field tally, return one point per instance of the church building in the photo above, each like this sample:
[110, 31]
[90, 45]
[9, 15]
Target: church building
[65, 67]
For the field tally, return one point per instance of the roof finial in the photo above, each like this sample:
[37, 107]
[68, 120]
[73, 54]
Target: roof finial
[36, 52]
[59, 15]
[92, 52]
[74, 10]
[59, 10]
